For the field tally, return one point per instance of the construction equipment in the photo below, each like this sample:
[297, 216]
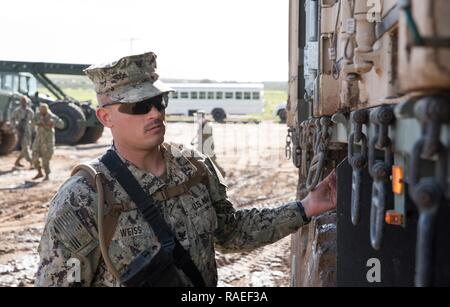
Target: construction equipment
[19, 78]
[378, 72]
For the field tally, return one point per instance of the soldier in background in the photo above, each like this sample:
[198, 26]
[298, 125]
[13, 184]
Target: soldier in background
[204, 139]
[21, 120]
[44, 142]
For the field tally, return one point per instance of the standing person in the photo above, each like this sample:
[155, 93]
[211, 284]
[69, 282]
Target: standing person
[21, 120]
[149, 212]
[44, 143]
[204, 139]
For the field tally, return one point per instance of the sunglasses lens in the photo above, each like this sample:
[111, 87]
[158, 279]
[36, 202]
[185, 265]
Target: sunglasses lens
[160, 102]
[143, 107]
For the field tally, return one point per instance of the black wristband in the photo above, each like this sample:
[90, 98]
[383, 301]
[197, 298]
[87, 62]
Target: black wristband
[305, 218]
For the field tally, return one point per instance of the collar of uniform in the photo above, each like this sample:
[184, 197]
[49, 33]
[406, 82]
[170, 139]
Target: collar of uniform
[179, 169]
[148, 181]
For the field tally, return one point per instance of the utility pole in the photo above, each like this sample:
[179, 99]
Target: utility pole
[132, 39]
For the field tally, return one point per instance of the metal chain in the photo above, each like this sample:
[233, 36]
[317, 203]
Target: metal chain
[306, 145]
[322, 139]
[296, 157]
[380, 170]
[358, 161]
[287, 149]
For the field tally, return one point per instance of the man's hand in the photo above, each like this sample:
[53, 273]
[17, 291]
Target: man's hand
[50, 125]
[45, 123]
[322, 198]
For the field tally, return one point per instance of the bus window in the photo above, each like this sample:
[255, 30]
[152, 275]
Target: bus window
[228, 96]
[174, 95]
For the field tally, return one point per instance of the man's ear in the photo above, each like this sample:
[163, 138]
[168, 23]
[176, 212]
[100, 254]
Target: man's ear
[104, 116]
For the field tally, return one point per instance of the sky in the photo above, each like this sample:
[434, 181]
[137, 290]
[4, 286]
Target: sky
[222, 40]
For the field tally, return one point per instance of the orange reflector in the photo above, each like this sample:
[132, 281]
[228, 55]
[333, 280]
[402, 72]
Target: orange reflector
[394, 218]
[397, 179]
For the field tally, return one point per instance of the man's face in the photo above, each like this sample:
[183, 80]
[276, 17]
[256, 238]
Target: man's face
[43, 110]
[141, 131]
[23, 103]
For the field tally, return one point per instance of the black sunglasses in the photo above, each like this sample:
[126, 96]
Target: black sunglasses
[160, 102]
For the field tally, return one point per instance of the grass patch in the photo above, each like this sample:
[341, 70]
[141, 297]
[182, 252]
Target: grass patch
[82, 95]
[271, 100]
[79, 94]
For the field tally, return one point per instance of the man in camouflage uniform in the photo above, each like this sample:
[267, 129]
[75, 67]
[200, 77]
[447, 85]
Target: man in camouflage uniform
[44, 143]
[204, 139]
[202, 218]
[21, 120]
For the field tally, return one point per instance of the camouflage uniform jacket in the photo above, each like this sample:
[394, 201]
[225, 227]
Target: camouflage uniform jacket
[45, 136]
[21, 120]
[202, 219]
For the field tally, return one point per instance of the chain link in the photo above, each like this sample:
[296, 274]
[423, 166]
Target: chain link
[321, 143]
[306, 145]
[358, 161]
[287, 149]
[380, 170]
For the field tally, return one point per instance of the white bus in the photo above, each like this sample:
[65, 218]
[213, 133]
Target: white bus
[218, 99]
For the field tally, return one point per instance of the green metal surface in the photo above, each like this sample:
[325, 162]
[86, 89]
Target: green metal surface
[43, 68]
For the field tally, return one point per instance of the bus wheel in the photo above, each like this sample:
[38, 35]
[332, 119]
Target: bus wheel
[219, 115]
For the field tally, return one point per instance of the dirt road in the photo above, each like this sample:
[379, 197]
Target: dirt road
[258, 175]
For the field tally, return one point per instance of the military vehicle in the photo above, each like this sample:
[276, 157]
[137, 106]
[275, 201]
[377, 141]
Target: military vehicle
[369, 84]
[20, 78]
[8, 138]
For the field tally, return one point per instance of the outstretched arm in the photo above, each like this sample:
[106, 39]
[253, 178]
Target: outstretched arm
[243, 230]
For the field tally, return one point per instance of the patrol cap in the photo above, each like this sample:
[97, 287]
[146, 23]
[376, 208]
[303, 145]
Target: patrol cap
[128, 80]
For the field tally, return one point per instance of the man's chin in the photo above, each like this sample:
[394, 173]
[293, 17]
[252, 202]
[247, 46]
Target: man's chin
[156, 141]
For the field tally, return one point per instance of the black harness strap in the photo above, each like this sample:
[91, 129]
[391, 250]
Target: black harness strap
[147, 207]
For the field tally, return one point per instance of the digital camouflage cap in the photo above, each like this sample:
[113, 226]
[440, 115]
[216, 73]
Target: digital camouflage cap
[128, 80]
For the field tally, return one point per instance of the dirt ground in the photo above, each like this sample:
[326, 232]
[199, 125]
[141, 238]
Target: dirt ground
[258, 175]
